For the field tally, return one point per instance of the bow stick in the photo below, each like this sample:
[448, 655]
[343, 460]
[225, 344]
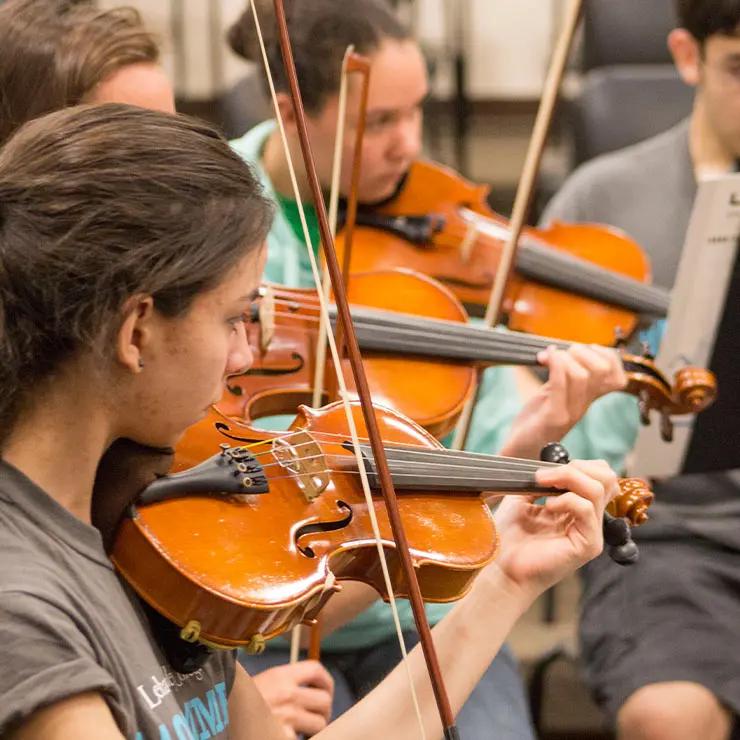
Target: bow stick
[318, 381]
[351, 63]
[443, 704]
[523, 199]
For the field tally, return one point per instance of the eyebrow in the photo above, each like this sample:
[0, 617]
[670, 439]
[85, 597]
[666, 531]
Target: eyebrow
[250, 297]
[380, 112]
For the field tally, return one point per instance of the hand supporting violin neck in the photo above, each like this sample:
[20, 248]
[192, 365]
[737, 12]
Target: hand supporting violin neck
[617, 533]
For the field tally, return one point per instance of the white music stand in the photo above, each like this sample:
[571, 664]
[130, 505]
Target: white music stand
[697, 303]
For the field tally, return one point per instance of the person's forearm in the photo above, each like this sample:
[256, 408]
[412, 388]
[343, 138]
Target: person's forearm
[467, 640]
[530, 445]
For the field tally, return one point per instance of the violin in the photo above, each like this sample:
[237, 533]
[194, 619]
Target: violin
[577, 282]
[421, 355]
[254, 540]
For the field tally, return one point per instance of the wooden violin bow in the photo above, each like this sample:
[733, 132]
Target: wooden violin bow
[523, 199]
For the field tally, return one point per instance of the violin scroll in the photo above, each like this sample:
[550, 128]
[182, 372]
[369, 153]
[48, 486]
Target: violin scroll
[695, 389]
[633, 501]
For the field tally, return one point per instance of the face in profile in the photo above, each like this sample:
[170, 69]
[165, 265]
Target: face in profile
[187, 358]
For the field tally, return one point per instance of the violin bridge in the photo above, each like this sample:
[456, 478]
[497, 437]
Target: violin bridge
[267, 317]
[301, 454]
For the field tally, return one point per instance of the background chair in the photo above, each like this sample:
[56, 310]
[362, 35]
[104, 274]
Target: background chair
[630, 89]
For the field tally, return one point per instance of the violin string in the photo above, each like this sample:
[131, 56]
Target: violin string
[513, 470]
[476, 484]
[401, 453]
[487, 345]
[462, 334]
[562, 266]
[503, 486]
[482, 335]
[399, 319]
[472, 474]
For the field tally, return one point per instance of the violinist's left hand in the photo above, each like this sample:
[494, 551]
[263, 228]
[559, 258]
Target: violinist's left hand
[542, 544]
[577, 377]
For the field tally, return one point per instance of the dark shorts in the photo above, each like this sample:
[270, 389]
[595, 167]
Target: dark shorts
[673, 616]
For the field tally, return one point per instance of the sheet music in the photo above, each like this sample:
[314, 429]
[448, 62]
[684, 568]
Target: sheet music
[697, 303]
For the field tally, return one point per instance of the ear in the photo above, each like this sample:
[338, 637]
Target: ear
[686, 53]
[285, 106]
[136, 333]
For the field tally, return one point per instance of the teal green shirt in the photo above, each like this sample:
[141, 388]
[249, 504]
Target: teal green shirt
[608, 431]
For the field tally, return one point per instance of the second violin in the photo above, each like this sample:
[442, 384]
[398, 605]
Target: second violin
[420, 353]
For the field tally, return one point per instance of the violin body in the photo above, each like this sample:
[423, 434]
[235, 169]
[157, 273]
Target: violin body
[530, 305]
[432, 392]
[234, 567]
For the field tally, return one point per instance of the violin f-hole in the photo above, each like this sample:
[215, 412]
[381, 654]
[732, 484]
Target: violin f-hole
[319, 527]
[299, 364]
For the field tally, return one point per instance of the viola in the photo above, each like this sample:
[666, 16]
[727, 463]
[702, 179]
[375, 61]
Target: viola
[421, 355]
[577, 282]
[254, 540]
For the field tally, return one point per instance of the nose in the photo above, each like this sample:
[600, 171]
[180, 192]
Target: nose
[407, 144]
[240, 356]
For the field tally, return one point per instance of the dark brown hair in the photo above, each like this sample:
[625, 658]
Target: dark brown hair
[99, 203]
[320, 32]
[705, 18]
[54, 53]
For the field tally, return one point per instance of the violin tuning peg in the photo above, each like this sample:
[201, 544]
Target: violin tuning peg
[618, 539]
[647, 351]
[619, 338]
[643, 404]
[554, 452]
[666, 426]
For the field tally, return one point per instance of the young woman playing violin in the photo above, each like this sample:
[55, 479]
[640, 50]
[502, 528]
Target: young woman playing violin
[361, 652]
[131, 243]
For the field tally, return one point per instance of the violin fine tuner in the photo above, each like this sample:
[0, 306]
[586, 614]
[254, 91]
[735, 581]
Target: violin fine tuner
[617, 533]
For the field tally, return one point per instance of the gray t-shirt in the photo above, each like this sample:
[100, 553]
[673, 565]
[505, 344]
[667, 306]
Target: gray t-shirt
[69, 625]
[646, 190]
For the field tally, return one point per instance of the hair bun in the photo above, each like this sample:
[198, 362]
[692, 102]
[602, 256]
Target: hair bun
[242, 36]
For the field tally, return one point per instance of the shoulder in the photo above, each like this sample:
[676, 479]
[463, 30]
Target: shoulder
[250, 146]
[619, 174]
[46, 658]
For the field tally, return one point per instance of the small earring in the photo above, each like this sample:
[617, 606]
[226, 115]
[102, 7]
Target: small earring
[141, 363]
